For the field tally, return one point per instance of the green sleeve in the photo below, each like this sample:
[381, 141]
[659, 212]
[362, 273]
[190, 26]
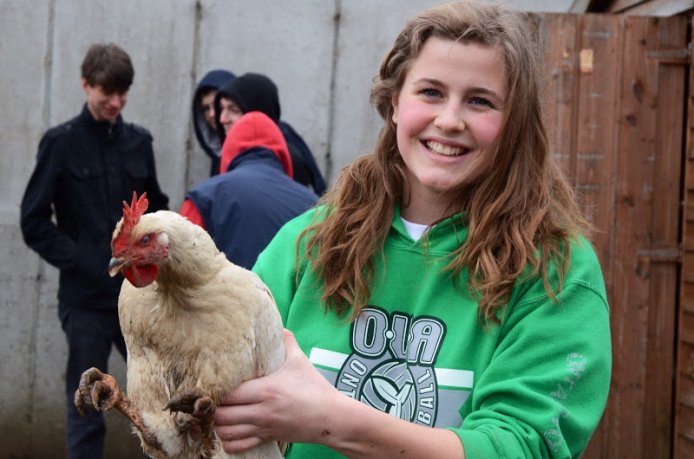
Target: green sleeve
[545, 387]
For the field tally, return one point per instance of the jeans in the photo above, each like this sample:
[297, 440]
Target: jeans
[90, 334]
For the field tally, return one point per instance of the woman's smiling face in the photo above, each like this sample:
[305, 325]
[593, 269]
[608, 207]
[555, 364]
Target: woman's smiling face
[449, 113]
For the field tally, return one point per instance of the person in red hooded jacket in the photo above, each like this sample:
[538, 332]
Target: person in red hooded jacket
[253, 196]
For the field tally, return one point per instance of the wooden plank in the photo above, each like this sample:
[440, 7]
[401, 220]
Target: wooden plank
[687, 293]
[688, 237]
[596, 139]
[665, 228]
[634, 206]
[686, 413]
[688, 195]
[686, 391]
[660, 358]
[683, 444]
[595, 161]
[558, 33]
[687, 335]
[667, 173]
[685, 359]
[686, 450]
[668, 144]
[689, 174]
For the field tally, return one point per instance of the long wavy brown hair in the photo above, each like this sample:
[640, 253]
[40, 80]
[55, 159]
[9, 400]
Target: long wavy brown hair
[521, 212]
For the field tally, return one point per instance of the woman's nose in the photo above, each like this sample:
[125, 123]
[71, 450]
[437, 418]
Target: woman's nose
[450, 118]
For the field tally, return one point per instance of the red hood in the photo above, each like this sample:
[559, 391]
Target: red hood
[255, 129]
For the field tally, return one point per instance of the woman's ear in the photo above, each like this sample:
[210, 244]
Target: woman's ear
[394, 104]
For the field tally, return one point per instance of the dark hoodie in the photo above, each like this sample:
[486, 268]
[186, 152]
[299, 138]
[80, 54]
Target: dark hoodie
[256, 92]
[245, 206]
[208, 139]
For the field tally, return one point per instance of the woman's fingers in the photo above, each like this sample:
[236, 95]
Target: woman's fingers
[235, 432]
[237, 446]
[245, 393]
[235, 414]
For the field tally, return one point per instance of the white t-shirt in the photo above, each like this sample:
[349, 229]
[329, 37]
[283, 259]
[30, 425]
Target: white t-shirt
[415, 230]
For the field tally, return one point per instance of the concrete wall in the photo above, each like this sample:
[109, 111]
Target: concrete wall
[321, 53]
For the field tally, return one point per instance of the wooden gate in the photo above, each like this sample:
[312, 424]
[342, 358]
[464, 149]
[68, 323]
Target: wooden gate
[616, 110]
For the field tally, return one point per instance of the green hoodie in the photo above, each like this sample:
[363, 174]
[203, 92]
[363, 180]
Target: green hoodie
[533, 386]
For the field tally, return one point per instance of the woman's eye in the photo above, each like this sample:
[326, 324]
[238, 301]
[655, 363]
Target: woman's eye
[144, 240]
[481, 101]
[430, 92]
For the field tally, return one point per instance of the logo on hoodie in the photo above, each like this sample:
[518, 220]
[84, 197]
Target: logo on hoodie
[391, 367]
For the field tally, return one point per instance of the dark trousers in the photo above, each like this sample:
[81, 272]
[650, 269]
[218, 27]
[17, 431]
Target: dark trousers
[90, 335]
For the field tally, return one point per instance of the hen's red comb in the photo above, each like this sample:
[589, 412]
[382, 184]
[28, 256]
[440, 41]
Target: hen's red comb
[133, 212]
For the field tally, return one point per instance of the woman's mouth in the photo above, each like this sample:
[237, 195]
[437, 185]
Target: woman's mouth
[445, 150]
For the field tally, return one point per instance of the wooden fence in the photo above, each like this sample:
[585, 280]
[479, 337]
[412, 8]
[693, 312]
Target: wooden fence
[617, 93]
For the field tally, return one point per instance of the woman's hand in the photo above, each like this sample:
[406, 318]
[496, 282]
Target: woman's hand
[290, 405]
[296, 404]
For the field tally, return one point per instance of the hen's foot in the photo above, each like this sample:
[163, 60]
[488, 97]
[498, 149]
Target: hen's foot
[194, 402]
[97, 390]
[201, 407]
[101, 392]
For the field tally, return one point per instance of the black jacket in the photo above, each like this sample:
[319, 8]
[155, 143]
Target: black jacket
[84, 171]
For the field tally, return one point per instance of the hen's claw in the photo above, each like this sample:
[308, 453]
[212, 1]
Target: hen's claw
[194, 402]
[199, 405]
[101, 392]
[98, 390]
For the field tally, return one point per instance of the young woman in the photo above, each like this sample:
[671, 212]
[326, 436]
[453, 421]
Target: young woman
[444, 293]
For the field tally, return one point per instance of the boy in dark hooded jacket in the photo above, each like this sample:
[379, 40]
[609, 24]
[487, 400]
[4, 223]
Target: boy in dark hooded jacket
[204, 122]
[256, 92]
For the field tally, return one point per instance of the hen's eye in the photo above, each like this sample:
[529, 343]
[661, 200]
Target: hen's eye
[144, 240]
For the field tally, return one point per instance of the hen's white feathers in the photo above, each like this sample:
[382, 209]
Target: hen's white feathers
[203, 323]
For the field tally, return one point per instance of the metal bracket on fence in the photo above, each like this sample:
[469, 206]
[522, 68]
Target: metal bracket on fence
[661, 254]
[678, 56]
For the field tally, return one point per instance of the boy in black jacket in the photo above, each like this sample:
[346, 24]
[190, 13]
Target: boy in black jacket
[86, 167]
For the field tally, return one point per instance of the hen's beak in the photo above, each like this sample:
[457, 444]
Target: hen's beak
[115, 265]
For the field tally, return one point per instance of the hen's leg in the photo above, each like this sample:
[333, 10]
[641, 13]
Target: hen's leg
[101, 392]
[196, 403]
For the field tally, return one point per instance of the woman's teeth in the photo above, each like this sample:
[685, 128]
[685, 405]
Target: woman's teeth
[445, 150]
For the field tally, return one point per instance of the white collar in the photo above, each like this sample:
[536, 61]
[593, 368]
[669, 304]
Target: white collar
[415, 230]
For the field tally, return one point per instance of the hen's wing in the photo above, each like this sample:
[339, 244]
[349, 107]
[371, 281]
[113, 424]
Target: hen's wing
[212, 337]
